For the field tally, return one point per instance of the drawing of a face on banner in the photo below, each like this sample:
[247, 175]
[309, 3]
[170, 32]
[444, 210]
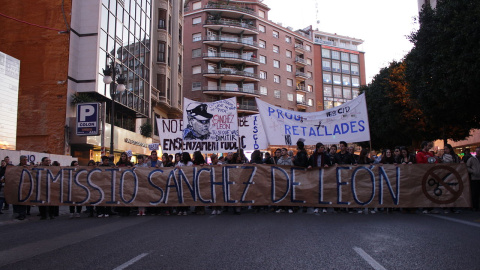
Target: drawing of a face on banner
[210, 126]
[198, 122]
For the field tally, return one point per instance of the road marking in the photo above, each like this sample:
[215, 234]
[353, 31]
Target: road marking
[369, 259]
[457, 220]
[132, 261]
[32, 249]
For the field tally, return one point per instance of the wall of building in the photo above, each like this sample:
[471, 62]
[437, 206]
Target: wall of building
[43, 74]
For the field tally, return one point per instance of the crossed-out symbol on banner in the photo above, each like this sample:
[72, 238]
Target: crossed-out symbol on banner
[439, 184]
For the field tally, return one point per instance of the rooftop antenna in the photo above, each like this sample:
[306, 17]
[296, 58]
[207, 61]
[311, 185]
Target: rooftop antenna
[316, 15]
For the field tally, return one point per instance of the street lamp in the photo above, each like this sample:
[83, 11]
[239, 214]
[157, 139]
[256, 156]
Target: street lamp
[112, 75]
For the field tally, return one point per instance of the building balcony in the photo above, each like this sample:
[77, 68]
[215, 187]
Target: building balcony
[158, 97]
[300, 61]
[301, 75]
[232, 11]
[301, 88]
[247, 109]
[230, 26]
[231, 91]
[302, 104]
[231, 42]
[231, 58]
[231, 75]
[300, 48]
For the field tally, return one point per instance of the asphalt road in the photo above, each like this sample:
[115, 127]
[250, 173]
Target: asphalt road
[247, 241]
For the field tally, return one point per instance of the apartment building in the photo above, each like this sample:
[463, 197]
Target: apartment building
[232, 49]
[340, 69]
[63, 47]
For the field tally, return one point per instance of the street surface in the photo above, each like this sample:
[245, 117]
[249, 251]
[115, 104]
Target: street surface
[247, 241]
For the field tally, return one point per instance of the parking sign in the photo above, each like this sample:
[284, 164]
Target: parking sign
[88, 119]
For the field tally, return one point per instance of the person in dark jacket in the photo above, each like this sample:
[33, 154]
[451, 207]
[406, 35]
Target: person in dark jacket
[319, 158]
[344, 157]
[301, 159]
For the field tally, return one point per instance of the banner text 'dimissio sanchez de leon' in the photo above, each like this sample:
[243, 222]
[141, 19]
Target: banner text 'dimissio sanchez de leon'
[420, 185]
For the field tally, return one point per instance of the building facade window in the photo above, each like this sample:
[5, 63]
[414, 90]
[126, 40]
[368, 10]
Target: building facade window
[346, 80]
[288, 39]
[276, 78]
[309, 74]
[289, 82]
[261, 28]
[197, 37]
[288, 54]
[327, 91]
[161, 52]
[262, 44]
[275, 34]
[197, 69]
[261, 14]
[337, 79]
[196, 86]
[353, 58]
[327, 78]
[276, 93]
[309, 61]
[346, 68]
[355, 82]
[263, 75]
[276, 49]
[310, 102]
[355, 93]
[336, 55]
[337, 92]
[197, 20]
[289, 68]
[197, 5]
[345, 57]
[326, 65]
[290, 97]
[355, 70]
[263, 90]
[325, 53]
[310, 88]
[263, 59]
[162, 18]
[196, 53]
[335, 66]
[308, 48]
[276, 64]
[347, 93]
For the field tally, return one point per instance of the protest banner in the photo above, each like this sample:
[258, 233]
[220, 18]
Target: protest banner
[252, 135]
[211, 127]
[347, 122]
[419, 185]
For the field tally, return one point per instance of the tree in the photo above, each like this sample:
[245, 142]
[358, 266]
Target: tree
[443, 68]
[394, 117]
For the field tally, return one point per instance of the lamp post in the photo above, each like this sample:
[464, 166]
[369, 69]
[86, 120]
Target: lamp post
[117, 86]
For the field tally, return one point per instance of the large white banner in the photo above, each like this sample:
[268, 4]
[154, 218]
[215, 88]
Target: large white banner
[252, 135]
[211, 124]
[348, 122]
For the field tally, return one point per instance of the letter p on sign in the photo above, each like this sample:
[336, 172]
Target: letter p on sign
[85, 111]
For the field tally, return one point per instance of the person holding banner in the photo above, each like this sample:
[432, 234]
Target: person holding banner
[154, 162]
[185, 160]
[284, 158]
[301, 159]
[319, 159]
[344, 157]
[424, 156]
[473, 167]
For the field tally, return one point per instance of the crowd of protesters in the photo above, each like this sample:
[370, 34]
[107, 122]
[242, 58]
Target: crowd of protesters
[321, 157]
